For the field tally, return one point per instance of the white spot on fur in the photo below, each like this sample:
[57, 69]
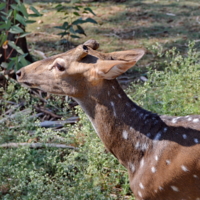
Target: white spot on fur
[153, 169]
[113, 86]
[141, 115]
[139, 193]
[156, 158]
[174, 120]
[125, 134]
[148, 134]
[196, 140]
[175, 188]
[160, 188]
[137, 145]
[184, 136]
[189, 119]
[184, 168]
[128, 104]
[144, 146]
[165, 129]
[158, 136]
[131, 166]
[133, 109]
[108, 93]
[142, 163]
[119, 95]
[195, 120]
[168, 162]
[141, 186]
[113, 106]
[195, 176]
[141, 146]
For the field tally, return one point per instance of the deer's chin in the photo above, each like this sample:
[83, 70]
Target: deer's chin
[29, 85]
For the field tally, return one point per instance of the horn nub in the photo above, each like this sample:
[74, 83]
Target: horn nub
[81, 52]
[92, 44]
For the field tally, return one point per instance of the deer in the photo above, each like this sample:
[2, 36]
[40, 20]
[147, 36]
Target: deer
[161, 153]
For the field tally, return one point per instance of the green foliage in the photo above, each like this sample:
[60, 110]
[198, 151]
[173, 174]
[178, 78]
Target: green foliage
[13, 21]
[175, 90]
[72, 27]
[55, 173]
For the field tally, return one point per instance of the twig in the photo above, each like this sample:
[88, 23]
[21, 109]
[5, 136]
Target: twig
[13, 108]
[47, 112]
[23, 112]
[37, 145]
[58, 124]
[34, 92]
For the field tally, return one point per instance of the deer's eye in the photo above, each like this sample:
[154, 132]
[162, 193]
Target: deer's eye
[59, 67]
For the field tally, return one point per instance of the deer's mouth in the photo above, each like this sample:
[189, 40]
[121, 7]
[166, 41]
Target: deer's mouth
[30, 85]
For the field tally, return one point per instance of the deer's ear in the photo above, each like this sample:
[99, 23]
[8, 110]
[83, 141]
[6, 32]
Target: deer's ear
[110, 69]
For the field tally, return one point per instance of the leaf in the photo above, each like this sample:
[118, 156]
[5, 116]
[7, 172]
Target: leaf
[74, 36]
[3, 38]
[11, 64]
[14, 6]
[16, 29]
[63, 33]
[33, 15]
[90, 20]
[23, 10]
[72, 30]
[20, 19]
[4, 65]
[30, 21]
[14, 46]
[5, 25]
[59, 8]
[90, 10]
[78, 21]
[35, 11]
[2, 6]
[76, 8]
[76, 13]
[75, 1]
[80, 30]
[81, 21]
[60, 27]
[24, 34]
[24, 61]
[66, 25]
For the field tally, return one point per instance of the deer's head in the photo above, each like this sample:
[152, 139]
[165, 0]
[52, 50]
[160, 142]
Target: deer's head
[71, 72]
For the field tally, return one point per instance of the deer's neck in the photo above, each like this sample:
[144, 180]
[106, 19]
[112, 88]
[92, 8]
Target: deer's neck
[126, 129]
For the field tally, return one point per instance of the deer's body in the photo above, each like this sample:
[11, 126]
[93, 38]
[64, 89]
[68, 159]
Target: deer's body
[162, 154]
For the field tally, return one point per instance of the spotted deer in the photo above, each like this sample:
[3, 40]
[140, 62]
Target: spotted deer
[161, 153]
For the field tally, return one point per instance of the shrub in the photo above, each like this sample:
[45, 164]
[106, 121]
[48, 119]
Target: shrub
[174, 90]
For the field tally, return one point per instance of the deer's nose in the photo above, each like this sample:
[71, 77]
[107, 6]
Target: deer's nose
[18, 73]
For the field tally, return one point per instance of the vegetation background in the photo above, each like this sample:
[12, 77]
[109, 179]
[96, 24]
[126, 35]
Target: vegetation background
[48, 149]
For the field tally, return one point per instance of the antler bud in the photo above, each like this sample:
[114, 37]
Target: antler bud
[92, 44]
[81, 52]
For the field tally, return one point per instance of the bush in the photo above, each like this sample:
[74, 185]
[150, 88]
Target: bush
[175, 90]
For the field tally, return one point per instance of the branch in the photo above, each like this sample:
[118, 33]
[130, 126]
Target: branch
[37, 145]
